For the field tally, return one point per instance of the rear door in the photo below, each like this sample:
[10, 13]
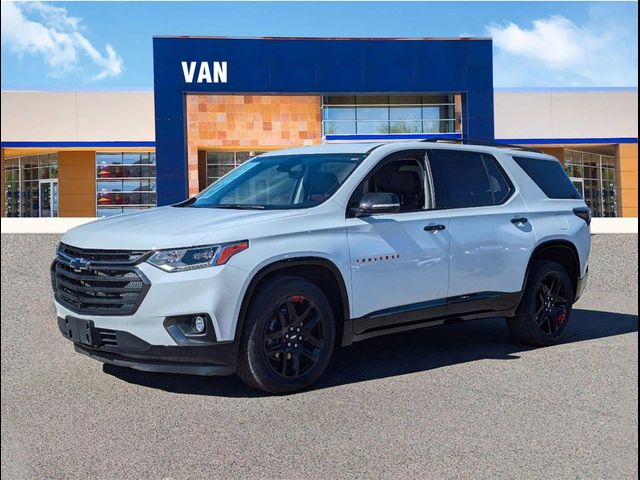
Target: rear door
[399, 262]
[491, 235]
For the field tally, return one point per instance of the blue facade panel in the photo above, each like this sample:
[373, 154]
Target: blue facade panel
[313, 66]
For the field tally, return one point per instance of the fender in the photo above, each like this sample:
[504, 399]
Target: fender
[287, 263]
[555, 243]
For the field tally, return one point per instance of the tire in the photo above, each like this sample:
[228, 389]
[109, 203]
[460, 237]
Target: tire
[546, 306]
[288, 336]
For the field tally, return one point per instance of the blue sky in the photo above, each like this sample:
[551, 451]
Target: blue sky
[107, 45]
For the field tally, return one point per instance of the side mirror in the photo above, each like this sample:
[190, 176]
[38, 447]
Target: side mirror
[377, 203]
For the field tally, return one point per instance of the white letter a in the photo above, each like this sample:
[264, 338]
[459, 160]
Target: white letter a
[205, 73]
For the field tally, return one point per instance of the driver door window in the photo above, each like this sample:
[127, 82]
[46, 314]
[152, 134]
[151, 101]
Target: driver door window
[406, 177]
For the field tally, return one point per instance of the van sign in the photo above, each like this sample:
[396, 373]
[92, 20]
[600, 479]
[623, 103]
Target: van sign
[207, 72]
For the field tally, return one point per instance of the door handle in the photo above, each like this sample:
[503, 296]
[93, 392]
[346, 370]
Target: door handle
[519, 220]
[434, 228]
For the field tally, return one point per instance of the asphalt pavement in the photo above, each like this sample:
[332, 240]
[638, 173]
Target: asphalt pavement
[459, 401]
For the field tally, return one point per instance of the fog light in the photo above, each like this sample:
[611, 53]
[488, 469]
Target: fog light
[198, 324]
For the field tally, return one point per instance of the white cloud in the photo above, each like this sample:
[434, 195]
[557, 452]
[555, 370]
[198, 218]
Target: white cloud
[39, 28]
[555, 51]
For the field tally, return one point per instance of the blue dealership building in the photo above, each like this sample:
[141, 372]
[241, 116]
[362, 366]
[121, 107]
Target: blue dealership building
[218, 101]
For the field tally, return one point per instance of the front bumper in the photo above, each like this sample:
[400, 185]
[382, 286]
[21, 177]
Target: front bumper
[125, 349]
[211, 291]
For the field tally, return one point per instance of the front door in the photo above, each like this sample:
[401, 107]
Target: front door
[48, 198]
[399, 262]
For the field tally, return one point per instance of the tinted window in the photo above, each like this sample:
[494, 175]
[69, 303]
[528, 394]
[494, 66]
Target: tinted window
[549, 176]
[500, 186]
[467, 179]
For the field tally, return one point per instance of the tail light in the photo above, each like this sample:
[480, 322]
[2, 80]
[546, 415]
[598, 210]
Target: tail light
[584, 213]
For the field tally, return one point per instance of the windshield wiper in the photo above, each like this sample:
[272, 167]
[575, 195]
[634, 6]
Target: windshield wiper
[238, 206]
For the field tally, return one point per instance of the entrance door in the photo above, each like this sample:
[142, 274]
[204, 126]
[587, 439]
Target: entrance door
[579, 184]
[48, 198]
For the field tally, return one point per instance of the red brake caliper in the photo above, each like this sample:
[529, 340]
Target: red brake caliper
[561, 317]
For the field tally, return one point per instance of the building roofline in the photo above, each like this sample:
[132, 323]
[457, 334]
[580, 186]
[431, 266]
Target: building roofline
[214, 37]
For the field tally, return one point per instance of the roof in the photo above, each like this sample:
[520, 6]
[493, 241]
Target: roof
[326, 148]
[391, 146]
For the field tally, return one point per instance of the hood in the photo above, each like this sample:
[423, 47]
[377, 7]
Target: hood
[168, 227]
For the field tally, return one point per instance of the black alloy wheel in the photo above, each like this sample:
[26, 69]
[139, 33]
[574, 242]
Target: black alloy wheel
[546, 305]
[288, 336]
[552, 304]
[294, 337]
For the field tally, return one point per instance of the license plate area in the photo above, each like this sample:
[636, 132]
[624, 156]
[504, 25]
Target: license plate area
[79, 331]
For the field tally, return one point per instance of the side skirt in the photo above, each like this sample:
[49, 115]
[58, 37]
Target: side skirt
[430, 314]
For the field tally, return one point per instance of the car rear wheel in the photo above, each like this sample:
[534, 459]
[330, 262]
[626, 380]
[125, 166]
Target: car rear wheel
[546, 306]
[288, 337]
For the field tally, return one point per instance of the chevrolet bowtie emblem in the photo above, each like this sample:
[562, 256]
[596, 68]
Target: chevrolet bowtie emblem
[79, 264]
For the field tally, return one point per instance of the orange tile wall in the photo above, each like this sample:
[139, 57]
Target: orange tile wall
[77, 183]
[246, 122]
[627, 170]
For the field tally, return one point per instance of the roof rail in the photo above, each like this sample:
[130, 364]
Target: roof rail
[480, 143]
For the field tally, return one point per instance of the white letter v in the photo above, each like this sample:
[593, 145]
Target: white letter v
[189, 71]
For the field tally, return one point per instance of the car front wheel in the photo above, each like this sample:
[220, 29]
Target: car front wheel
[288, 336]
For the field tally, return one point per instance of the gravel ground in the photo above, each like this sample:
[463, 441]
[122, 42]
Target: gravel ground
[457, 401]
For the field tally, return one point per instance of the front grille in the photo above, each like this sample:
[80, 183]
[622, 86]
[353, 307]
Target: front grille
[116, 257]
[109, 284]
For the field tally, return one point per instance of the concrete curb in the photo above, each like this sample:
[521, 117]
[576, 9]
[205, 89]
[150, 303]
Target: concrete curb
[61, 225]
[614, 225]
[41, 225]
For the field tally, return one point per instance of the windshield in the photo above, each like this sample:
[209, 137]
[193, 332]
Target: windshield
[280, 182]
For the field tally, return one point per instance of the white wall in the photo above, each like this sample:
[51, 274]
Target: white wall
[557, 115]
[125, 116]
[77, 116]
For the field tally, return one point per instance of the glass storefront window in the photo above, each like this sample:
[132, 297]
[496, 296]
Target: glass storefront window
[126, 182]
[393, 114]
[221, 163]
[598, 175]
[31, 187]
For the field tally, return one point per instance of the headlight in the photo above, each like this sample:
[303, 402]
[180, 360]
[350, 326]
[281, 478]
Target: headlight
[181, 259]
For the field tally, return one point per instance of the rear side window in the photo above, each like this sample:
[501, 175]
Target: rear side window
[549, 176]
[467, 179]
[500, 186]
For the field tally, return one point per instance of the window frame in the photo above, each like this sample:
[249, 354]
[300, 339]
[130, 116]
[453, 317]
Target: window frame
[394, 156]
[489, 157]
[447, 123]
[147, 160]
[27, 174]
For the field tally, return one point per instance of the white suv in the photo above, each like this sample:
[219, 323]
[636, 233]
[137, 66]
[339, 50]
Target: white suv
[297, 252]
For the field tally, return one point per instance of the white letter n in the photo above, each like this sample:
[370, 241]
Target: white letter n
[219, 72]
